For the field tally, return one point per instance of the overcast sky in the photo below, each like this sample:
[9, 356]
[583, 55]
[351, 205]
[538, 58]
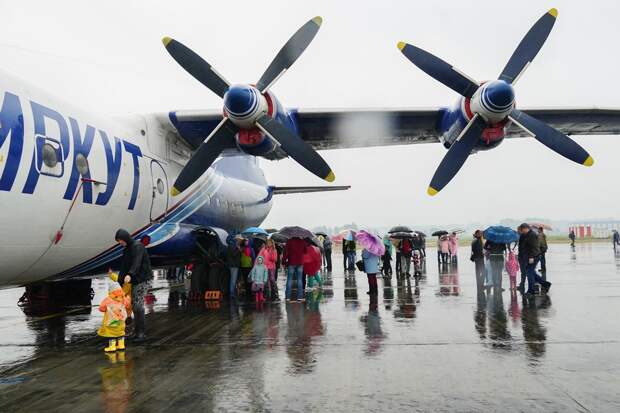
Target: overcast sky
[108, 57]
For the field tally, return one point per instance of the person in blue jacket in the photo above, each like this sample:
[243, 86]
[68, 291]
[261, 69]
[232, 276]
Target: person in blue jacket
[371, 268]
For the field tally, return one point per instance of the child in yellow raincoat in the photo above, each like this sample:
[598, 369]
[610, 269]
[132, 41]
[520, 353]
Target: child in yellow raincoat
[114, 307]
[126, 289]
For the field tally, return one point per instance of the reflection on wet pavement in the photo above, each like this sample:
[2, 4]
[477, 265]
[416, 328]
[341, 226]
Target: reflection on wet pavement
[434, 344]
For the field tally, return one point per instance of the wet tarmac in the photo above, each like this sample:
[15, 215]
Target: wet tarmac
[434, 346]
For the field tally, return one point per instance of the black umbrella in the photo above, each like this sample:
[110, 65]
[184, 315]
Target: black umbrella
[439, 233]
[400, 228]
[278, 238]
[401, 235]
[296, 232]
[321, 233]
[271, 230]
[421, 234]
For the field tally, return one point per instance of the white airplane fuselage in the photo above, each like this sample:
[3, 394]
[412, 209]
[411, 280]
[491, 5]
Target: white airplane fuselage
[59, 213]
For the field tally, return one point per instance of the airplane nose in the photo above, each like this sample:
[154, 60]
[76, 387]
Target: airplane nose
[499, 95]
[240, 100]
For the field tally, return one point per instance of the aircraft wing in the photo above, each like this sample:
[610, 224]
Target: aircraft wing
[585, 121]
[335, 129]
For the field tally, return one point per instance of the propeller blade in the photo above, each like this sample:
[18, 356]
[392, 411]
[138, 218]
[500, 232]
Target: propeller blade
[457, 154]
[439, 70]
[196, 66]
[207, 152]
[289, 53]
[529, 47]
[296, 148]
[551, 138]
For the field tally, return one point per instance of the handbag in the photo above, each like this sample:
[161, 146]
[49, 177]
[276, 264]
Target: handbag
[360, 265]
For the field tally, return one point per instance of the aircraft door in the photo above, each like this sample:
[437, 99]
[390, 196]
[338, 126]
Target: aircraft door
[159, 204]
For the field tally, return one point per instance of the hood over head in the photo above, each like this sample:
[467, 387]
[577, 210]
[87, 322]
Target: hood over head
[123, 234]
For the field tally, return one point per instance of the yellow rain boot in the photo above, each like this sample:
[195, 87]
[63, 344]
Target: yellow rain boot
[121, 344]
[111, 347]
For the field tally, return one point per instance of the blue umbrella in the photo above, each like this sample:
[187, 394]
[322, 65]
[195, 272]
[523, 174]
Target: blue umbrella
[255, 231]
[501, 235]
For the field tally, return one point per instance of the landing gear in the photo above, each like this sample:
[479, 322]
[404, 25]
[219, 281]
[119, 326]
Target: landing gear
[39, 298]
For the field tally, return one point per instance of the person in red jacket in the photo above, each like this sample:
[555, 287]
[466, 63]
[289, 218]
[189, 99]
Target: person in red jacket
[270, 258]
[293, 259]
[312, 265]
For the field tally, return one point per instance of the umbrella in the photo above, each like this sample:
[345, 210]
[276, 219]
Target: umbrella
[271, 230]
[254, 231]
[401, 235]
[400, 228]
[317, 242]
[296, 232]
[370, 242]
[501, 235]
[439, 233]
[321, 233]
[278, 238]
[346, 235]
[421, 234]
[546, 227]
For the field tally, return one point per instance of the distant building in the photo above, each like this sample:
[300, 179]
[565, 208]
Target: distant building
[594, 229]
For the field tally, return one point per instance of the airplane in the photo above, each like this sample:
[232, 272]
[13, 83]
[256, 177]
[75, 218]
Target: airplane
[182, 180]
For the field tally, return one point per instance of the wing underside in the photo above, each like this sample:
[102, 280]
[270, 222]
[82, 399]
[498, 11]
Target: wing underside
[339, 129]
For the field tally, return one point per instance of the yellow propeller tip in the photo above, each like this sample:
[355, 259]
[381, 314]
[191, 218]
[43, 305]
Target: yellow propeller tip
[166, 40]
[174, 191]
[589, 161]
[401, 45]
[318, 20]
[331, 177]
[554, 12]
[432, 191]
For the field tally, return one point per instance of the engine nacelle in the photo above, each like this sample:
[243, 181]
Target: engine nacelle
[493, 101]
[244, 104]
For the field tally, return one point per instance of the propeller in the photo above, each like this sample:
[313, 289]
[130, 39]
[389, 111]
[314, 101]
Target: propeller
[494, 101]
[243, 110]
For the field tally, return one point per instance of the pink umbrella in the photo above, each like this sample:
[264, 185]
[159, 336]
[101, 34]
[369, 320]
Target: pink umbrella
[371, 242]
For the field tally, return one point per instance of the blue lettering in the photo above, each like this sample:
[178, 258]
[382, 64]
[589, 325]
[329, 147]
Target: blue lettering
[135, 153]
[39, 113]
[11, 127]
[82, 146]
[114, 167]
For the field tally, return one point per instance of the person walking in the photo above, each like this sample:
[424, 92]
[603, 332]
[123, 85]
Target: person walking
[135, 269]
[327, 253]
[233, 262]
[350, 253]
[531, 251]
[115, 307]
[270, 259]
[387, 257]
[615, 239]
[371, 268]
[312, 265]
[512, 268]
[258, 277]
[293, 259]
[406, 248]
[453, 247]
[571, 236]
[444, 247]
[246, 263]
[495, 252]
[542, 242]
[477, 256]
